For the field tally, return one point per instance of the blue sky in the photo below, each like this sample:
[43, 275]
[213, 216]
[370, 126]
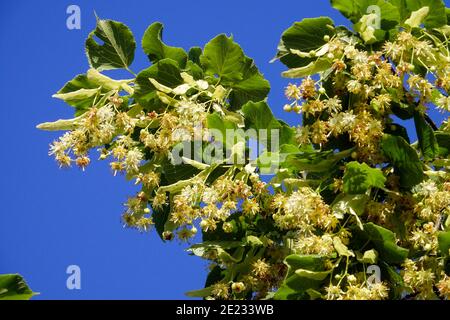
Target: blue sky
[52, 218]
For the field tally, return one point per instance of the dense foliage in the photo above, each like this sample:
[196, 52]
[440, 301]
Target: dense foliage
[349, 190]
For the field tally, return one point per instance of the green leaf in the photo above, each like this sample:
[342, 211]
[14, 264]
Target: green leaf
[427, 140]
[348, 8]
[436, 17]
[315, 161]
[366, 30]
[194, 70]
[222, 125]
[395, 281]
[314, 67]
[200, 293]
[156, 50]
[369, 257]
[355, 204]
[80, 82]
[160, 218]
[165, 72]
[194, 54]
[403, 110]
[175, 173]
[355, 9]
[444, 243]
[404, 159]
[341, 248]
[214, 276]
[417, 17]
[443, 140]
[397, 130]
[117, 49]
[384, 242]
[359, 177]
[350, 203]
[78, 98]
[310, 275]
[252, 87]
[401, 8]
[100, 80]
[60, 125]
[313, 275]
[14, 287]
[308, 262]
[258, 116]
[223, 59]
[303, 36]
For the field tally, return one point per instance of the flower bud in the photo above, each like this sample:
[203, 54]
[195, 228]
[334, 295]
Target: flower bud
[287, 108]
[203, 224]
[167, 235]
[238, 287]
[227, 227]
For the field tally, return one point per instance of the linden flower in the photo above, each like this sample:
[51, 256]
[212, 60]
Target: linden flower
[334, 105]
[63, 160]
[321, 245]
[159, 200]
[350, 51]
[354, 86]
[292, 92]
[319, 132]
[261, 269]
[82, 162]
[305, 209]
[105, 114]
[107, 131]
[393, 50]
[382, 102]
[355, 292]
[190, 111]
[342, 122]
[210, 196]
[185, 234]
[144, 224]
[220, 290]
[250, 206]
[133, 160]
[379, 291]
[425, 189]
[181, 134]
[444, 287]
[308, 88]
[443, 104]
[334, 292]
[150, 180]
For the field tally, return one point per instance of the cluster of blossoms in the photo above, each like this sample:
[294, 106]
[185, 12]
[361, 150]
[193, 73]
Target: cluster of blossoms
[357, 289]
[374, 81]
[303, 210]
[216, 203]
[127, 135]
[351, 191]
[366, 87]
